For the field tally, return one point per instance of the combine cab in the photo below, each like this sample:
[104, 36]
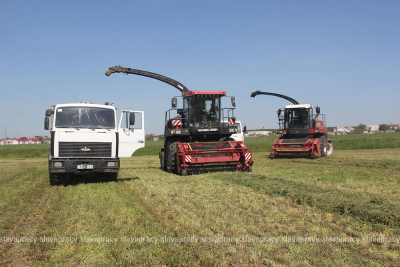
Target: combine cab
[195, 140]
[303, 134]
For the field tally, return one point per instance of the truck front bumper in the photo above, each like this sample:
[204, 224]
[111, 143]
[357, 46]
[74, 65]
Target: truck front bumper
[83, 165]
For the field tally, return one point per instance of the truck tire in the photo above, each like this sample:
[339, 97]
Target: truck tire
[171, 158]
[324, 146]
[54, 179]
[113, 176]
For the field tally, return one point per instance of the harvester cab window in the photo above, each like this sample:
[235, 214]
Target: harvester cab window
[204, 112]
[298, 118]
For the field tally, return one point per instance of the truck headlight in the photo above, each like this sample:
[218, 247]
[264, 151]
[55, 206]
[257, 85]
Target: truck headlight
[57, 164]
[112, 164]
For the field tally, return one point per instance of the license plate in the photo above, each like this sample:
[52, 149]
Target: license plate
[85, 167]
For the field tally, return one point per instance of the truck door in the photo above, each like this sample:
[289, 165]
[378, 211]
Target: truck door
[131, 132]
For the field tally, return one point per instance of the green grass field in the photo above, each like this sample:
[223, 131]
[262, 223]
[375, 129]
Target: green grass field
[342, 210]
[256, 144]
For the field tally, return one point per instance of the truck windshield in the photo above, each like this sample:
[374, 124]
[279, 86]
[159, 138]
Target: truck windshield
[205, 111]
[83, 117]
[298, 118]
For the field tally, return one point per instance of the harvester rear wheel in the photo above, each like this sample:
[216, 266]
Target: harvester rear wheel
[250, 168]
[324, 146]
[171, 158]
[330, 149]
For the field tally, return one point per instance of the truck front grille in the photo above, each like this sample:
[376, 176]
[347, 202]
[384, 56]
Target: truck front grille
[84, 149]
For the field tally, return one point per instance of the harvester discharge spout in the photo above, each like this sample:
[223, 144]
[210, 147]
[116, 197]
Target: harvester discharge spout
[172, 82]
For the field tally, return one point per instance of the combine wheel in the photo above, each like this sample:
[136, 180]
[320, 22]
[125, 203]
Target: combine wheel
[271, 156]
[184, 172]
[171, 158]
[250, 168]
[330, 149]
[312, 156]
[324, 146]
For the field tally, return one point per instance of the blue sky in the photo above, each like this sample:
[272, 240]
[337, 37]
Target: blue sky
[341, 55]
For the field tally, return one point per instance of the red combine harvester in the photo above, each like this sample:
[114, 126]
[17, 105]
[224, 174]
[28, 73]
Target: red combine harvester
[303, 134]
[196, 139]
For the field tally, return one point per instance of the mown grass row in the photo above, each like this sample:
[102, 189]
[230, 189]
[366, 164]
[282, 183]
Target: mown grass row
[377, 210]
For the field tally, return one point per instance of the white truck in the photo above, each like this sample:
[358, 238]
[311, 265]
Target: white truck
[239, 133]
[85, 139]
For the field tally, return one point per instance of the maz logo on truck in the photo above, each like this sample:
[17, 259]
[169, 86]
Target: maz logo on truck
[85, 149]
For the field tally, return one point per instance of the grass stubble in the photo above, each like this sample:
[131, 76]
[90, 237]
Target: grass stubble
[149, 217]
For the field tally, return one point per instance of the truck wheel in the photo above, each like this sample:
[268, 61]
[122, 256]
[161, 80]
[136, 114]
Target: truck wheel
[171, 158]
[330, 149]
[324, 146]
[162, 161]
[54, 179]
[113, 176]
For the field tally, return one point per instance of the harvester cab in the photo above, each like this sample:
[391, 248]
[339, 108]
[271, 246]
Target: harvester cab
[303, 133]
[195, 139]
[200, 118]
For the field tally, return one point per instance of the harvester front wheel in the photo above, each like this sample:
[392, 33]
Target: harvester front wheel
[162, 161]
[324, 146]
[183, 172]
[171, 158]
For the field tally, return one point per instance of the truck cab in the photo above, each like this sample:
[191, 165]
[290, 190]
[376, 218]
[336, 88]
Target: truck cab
[85, 138]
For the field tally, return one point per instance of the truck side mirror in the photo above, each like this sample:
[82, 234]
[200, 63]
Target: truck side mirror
[318, 110]
[233, 101]
[47, 123]
[279, 112]
[49, 112]
[132, 118]
[244, 129]
[174, 102]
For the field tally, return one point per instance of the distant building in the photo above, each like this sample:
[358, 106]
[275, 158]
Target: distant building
[19, 141]
[372, 128]
[258, 132]
[342, 130]
[395, 126]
